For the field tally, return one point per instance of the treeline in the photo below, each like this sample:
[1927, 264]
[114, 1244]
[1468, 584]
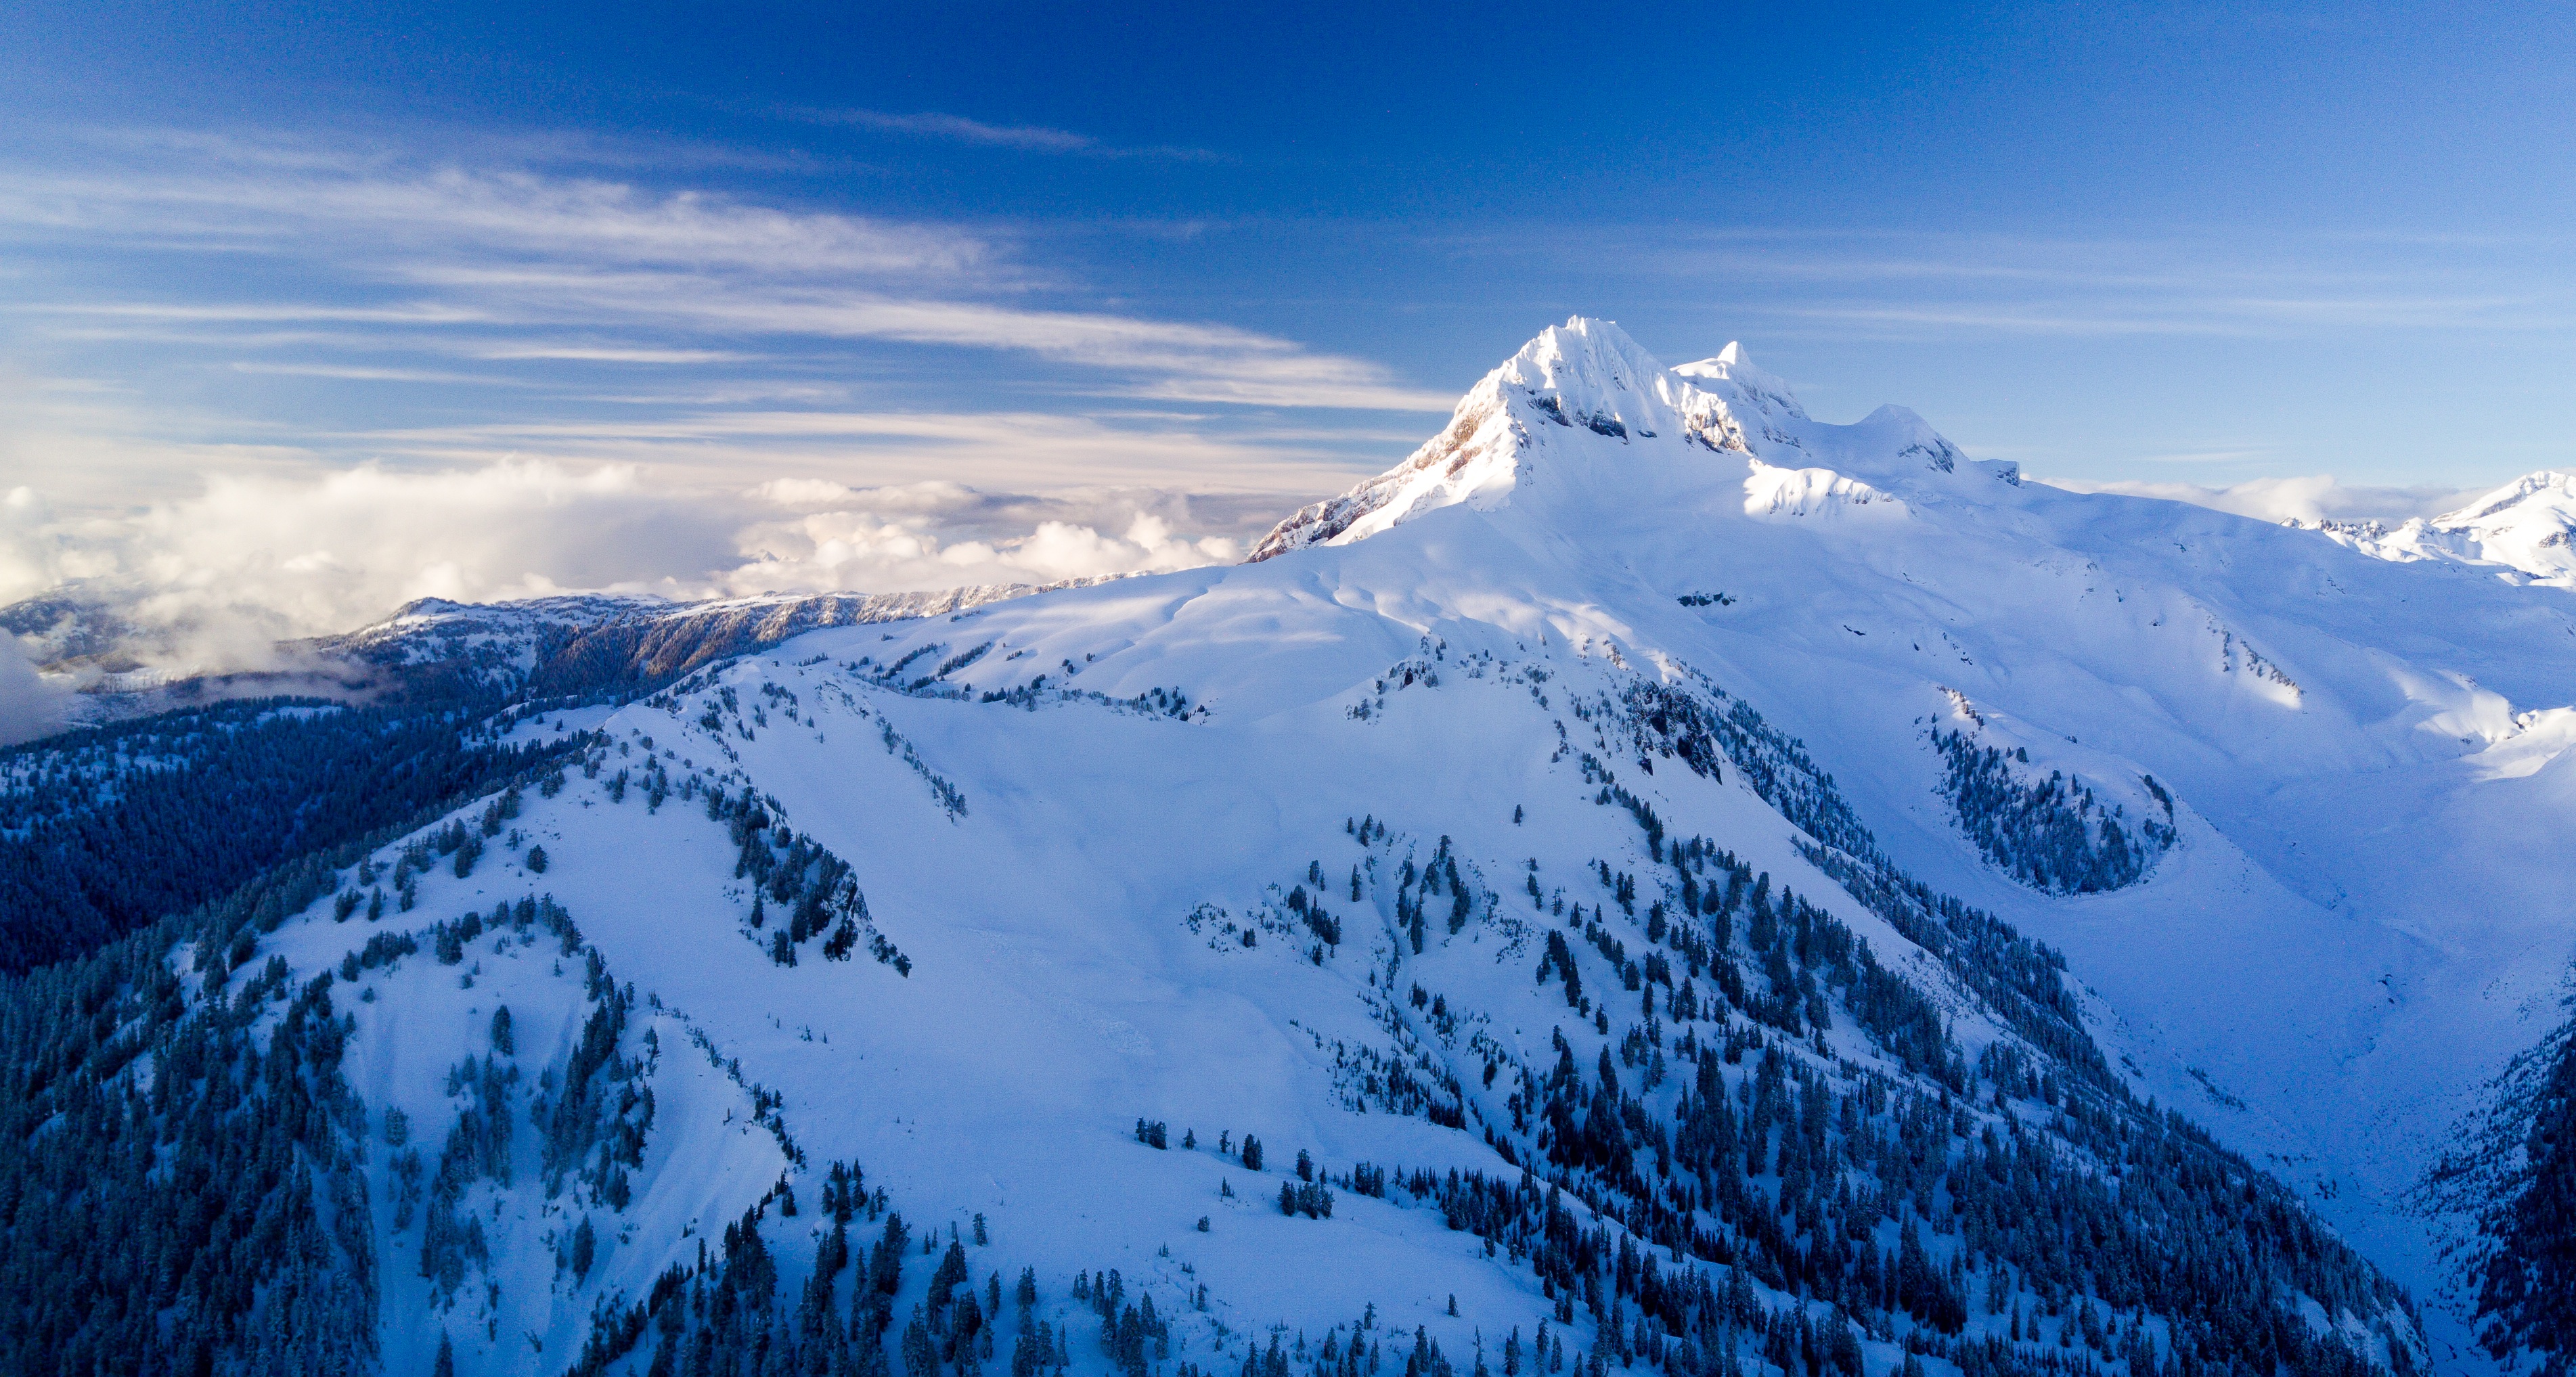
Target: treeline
[105, 830]
[2015, 975]
[734, 1314]
[592, 1113]
[1667, 720]
[1702, 1318]
[209, 1216]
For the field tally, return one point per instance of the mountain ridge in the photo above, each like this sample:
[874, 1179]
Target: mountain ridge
[563, 645]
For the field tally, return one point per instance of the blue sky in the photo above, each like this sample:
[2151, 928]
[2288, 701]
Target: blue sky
[1092, 265]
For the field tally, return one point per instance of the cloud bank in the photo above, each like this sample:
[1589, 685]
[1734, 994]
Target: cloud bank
[2309, 499]
[213, 581]
[30, 704]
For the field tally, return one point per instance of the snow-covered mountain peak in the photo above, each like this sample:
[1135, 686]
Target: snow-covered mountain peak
[1642, 769]
[2528, 526]
[1585, 356]
[1733, 365]
[1586, 422]
[2549, 485]
[2548, 490]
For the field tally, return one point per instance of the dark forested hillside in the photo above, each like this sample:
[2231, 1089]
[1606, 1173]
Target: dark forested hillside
[182, 1184]
[2517, 1179]
[107, 829]
[2026, 1182]
[208, 1217]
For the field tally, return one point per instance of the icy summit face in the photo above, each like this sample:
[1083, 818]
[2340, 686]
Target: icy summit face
[1582, 410]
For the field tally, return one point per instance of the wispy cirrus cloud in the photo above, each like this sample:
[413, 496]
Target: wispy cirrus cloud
[2183, 314]
[352, 373]
[1027, 138]
[371, 264]
[598, 353]
[302, 201]
[190, 309]
[1857, 285]
[1028, 450]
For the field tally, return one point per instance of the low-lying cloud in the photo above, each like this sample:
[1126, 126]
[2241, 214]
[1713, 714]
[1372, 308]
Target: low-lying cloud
[2308, 499]
[213, 581]
[30, 704]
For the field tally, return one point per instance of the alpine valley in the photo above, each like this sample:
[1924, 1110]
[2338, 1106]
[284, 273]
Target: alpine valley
[1654, 883]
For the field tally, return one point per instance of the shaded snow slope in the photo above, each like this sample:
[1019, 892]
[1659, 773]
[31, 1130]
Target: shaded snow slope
[1084, 899]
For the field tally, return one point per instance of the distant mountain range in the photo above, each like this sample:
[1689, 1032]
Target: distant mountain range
[571, 644]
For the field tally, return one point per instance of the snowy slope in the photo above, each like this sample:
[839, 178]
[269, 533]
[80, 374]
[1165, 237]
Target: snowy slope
[1079, 817]
[2359, 931]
